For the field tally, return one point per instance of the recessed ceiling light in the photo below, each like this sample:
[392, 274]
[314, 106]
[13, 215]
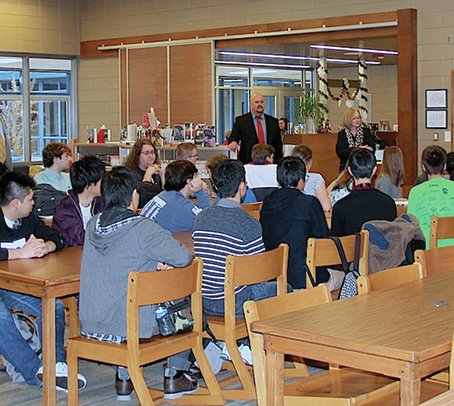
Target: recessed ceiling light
[362, 50]
[271, 65]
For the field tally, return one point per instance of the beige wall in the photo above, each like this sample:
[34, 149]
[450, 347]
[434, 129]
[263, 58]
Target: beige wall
[40, 26]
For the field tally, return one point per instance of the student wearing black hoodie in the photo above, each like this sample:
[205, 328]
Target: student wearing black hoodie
[290, 216]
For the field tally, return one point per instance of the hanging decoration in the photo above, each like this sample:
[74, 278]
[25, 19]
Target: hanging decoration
[359, 94]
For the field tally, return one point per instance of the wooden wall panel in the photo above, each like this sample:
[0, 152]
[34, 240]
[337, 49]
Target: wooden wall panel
[147, 83]
[191, 84]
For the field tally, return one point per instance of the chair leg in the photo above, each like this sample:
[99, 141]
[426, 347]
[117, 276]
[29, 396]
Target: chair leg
[73, 361]
[140, 386]
[248, 391]
[215, 396]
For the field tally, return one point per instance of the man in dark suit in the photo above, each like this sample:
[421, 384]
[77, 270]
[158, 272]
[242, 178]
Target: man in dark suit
[253, 128]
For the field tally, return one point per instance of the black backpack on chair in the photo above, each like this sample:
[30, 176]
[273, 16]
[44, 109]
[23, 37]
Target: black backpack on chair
[46, 199]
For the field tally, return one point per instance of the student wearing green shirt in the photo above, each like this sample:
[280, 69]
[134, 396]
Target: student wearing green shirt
[435, 197]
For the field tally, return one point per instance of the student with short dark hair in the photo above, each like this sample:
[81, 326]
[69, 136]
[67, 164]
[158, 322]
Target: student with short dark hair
[57, 160]
[83, 201]
[118, 241]
[364, 203]
[23, 235]
[435, 197]
[171, 208]
[292, 217]
[226, 229]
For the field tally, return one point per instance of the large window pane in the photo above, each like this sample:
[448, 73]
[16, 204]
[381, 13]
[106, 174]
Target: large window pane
[276, 77]
[232, 76]
[11, 116]
[10, 75]
[49, 82]
[49, 122]
[232, 103]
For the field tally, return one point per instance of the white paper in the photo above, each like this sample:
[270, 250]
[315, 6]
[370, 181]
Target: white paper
[14, 244]
[447, 136]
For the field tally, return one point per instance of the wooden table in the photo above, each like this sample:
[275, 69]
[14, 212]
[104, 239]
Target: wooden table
[397, 332]
[55, 275]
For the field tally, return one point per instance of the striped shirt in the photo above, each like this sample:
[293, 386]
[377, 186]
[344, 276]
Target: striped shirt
[222, 230]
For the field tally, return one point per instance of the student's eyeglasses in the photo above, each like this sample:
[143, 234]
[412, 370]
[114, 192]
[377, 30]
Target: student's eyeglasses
[147, 153]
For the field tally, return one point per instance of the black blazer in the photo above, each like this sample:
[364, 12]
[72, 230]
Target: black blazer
[343, 150]
[244, 131]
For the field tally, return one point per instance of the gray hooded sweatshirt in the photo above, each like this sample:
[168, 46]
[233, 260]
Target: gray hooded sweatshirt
[117, 242]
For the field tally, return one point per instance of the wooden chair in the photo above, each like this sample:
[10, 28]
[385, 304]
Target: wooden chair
[440, 229]
[144, 289]
[436, 261]
[253, 209]
[323, 252]
[240, 271]
[334, 387]
[389, 277]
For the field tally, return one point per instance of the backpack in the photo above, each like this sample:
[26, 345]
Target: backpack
[46, 199]
[26, 324]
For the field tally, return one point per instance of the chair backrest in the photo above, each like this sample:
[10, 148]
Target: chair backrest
[271, 307]
[147, 288]
[436, 261]
[440, 229]
[253, 209]
[389, 277]
[323, 252]
[252, 269]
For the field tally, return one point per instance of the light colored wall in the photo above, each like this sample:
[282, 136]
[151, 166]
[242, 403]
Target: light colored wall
[40, 26]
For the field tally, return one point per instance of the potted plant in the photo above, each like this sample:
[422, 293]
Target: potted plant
[309, 111]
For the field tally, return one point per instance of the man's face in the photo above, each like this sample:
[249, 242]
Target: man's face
[194, 157]
[64, 162]
[25, 208]
[257, 104]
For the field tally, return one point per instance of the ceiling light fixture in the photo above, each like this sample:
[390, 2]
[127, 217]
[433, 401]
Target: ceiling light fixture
[363, 50]
[271, 65]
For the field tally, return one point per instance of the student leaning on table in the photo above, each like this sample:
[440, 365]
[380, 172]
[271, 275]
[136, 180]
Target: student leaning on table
[117, 242]
[23, 235]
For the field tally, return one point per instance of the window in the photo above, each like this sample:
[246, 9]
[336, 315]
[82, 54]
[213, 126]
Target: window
[45, 85]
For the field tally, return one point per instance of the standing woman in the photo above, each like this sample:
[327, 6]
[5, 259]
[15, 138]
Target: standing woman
[392, 173]
[143, 162]
[354, 135]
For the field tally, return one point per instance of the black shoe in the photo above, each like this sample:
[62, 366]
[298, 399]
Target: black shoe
[124, 388]
[178, 385]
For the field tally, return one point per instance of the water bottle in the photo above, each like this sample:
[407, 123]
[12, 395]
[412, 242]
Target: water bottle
[165, 324]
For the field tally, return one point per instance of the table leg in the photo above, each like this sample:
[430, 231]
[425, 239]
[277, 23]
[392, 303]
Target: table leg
[274, 378]
[48, 345]
[410, 391]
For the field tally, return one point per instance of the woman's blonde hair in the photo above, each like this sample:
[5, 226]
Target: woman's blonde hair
[348, 117]
[393, 165]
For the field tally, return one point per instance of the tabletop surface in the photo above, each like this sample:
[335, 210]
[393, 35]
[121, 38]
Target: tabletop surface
[402, 323]
[55, 268]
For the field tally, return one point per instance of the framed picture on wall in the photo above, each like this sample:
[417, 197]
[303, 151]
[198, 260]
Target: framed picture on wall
[436, 98]
[436, 118]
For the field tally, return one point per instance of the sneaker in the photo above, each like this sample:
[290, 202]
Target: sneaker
[61, 377]
[178, 385]
[246, 353]
[123, 387]
[225, 352]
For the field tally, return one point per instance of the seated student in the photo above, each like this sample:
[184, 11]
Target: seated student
[212, 162]
[57, 160]
[293, 217]
[83, 201]
[23, 235]
[187, 151]
[314, 184]
[435, 197]
[364, 203]
[117, 242]
[340, 187]
[261, 172]
[392, 173]
[171, 208]
[449, 172]
[143, 162]
[226, 229]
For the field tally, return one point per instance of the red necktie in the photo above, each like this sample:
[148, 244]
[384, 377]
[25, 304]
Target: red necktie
[260, 131]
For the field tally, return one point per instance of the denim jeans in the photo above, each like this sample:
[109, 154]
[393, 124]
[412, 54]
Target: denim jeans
[13, 346]
[255, 292]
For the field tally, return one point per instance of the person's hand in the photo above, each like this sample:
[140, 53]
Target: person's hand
[34, 248]
[162, 266]
[151, 170]
[196, 184]
[233, 146]
[367, 147]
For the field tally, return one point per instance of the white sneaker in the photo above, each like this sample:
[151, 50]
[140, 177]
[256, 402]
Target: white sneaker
[61, 377]
[246, 354]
